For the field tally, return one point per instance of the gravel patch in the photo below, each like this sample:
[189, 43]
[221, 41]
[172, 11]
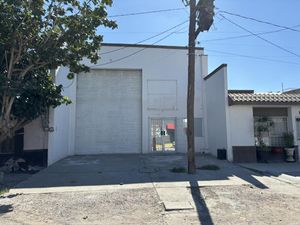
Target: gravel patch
[239, 205]
[242, 205]
[248, 205]
[110, 207]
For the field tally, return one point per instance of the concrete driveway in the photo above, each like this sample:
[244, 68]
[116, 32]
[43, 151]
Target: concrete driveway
[98, 172]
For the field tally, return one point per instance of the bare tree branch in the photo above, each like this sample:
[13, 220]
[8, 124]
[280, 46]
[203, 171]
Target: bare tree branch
[9, 106]
[26, 70]
[19, 51]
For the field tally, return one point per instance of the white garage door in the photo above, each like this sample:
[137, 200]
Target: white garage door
[108, 112]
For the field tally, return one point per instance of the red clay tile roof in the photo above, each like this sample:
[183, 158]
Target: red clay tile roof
[263, 98]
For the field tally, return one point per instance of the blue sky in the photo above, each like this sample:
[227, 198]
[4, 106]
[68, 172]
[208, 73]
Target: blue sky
[247, 72]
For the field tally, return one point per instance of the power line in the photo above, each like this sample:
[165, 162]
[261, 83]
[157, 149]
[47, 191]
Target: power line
[146, 12]
[252, 57]
[115, 50]
[147, 39]
[256, 35]
[259, 21]
[246, 35]
[151, 36]
[138, 51]
[134, 32]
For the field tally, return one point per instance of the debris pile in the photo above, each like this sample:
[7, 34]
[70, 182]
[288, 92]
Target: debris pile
[19, 165]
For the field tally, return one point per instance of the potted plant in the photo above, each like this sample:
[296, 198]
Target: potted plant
[263, 152]
[289, 146]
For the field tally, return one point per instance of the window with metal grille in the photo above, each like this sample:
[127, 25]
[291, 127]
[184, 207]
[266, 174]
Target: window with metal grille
[277, 130]
[274, 135]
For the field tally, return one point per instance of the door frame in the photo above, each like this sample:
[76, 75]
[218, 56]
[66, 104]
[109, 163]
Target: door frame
[150, 134]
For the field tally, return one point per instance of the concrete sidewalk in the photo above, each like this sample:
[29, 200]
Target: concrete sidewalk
[288, 172]
[100, 172]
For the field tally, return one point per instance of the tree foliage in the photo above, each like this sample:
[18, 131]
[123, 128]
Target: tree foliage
[37, 36]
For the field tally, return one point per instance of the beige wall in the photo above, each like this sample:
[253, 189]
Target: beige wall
[34, 136]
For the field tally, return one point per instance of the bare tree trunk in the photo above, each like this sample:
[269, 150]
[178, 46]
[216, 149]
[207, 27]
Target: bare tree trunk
[8, 123]
[9, 127]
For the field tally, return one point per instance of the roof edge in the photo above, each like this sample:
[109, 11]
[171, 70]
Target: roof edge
[148, 46]
[260, 103]
[293, 91]
[215, 71]
[263, 99]
[240, 91]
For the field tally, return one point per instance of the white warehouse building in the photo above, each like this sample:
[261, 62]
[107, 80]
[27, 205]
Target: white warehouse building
[134, 101]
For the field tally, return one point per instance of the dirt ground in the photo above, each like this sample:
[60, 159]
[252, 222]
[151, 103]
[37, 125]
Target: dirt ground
[107, 207]
[215, 205]
[240, 205]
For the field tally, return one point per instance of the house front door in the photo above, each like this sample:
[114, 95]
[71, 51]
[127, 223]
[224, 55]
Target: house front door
[162, 135]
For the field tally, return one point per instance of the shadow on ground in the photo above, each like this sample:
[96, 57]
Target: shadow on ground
[289, 172]
[201, 207]
[5, 209]
[101, 170]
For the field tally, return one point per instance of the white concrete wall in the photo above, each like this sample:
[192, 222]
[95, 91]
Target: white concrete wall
[159, 64]
[217, 112]
[204, 72]
[61, 141]
[241, 125]
[294, 113]
[35, 138]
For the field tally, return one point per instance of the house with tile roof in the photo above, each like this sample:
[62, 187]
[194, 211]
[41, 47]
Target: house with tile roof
[234, 118]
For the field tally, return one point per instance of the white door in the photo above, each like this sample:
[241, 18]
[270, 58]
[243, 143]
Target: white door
[109, 112]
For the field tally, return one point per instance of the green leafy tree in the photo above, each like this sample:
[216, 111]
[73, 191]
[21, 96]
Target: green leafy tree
[37, 36]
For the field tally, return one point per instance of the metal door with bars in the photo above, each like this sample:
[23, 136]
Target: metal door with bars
[163, 135]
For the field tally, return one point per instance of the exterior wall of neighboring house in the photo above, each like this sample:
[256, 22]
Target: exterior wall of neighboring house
[241, 133]
[29, 143]
[218, 131]
[35, 138]
[161, 68]
[242, 128]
